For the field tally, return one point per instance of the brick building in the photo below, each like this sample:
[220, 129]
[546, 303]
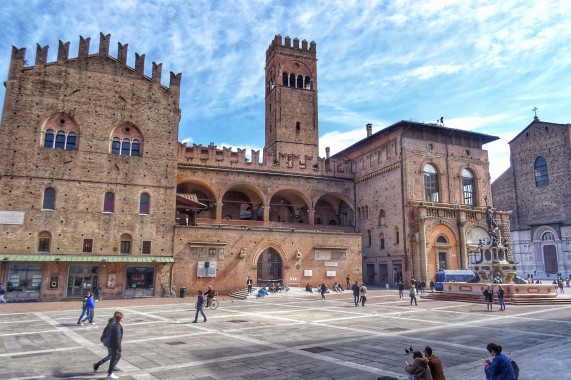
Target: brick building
[96, 189]
[537, 188]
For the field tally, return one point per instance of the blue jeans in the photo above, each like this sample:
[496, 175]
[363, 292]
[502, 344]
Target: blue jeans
[115, 357]
[89, 315]
[356, 299]
[502, 304]
[199, 310]
[83, 312]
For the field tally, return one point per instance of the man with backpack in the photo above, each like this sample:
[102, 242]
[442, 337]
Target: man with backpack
[111, 338]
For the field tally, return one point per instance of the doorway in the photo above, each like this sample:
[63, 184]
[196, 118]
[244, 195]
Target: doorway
[269, 267]
[383, 274]
[550, 258]
[370, 274]
[397, 272]
[441, 260]
[81, 279]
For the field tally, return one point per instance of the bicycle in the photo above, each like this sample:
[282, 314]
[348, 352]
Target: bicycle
[212, 306]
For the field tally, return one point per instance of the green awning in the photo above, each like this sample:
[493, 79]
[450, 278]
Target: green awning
[86, 258]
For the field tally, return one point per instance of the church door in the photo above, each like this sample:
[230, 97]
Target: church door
[269, 267]
[550, 257]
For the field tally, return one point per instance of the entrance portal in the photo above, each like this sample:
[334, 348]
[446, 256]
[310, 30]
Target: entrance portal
[81, 279]
[550, 257]
[269, 267]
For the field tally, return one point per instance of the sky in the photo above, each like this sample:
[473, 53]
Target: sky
[481, 65]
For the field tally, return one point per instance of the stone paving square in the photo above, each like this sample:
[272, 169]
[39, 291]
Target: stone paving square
[298, 336]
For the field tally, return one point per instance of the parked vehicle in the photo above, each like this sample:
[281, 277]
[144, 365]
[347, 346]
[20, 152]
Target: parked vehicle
[452, 276]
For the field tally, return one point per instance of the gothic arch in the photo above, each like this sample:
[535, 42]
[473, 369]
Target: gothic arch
[262, 246]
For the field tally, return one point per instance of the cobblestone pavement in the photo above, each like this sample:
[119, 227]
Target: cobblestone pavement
[278, 337]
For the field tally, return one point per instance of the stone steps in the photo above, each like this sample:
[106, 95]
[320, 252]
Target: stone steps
[243, 293]
[508, 301]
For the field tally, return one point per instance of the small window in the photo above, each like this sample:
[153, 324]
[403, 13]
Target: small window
[49, 199]
[292, 80]
[60, 140]
[541, 175]
[126, 147]
[285, 79]
[49, 139]
[297, 126]
[397, 237]
[146, 250]
[441, 240]
[109, 202]
[431, 183]
[116, 146]
[307, 83]
[126, 244]
[44, 241]
[299, 81]
[382, 219]
[87, 245]
[382, 241]
[369, 238]
[144, 204]
[468, 187]
[70, 143]
[135, 148]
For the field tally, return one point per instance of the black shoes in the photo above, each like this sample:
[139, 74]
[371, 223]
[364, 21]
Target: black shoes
[95, 367]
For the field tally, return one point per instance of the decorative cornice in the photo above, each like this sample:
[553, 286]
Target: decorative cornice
[378, 172]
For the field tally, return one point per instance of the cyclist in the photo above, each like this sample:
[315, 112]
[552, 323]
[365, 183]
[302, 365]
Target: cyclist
[209, 296]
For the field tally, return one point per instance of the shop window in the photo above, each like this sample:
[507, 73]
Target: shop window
[87, 245]
[49, 199]
[44, 239]
[109, 202]
[144, 204]
[146, 250]
[24, 278]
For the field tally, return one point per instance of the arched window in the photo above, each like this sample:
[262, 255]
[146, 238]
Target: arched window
[70, 143]
[431, 183]
[44, 239]
[116, 146]
[60, 140]
[285, 78]
[109, 202]
[49, 139]
[441, 240]
[135, 148]
[126, 244]
[547, 236]
[541, 175]
[292, 80]
[468, 187]
[126, 147]
[299, 81]
[49, 199]
[382, 221]
[144, 203]
[307, 83]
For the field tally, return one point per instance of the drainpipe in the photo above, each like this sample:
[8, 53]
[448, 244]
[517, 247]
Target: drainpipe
[170, 282]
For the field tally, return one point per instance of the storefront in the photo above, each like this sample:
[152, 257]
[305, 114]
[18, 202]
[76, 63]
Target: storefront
[37, 277]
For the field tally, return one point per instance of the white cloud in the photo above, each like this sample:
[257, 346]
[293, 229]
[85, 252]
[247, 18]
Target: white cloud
[187, 141]
[473, 122]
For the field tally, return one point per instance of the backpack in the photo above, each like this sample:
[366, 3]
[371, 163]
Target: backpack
[106, 337]
[516, 368]
[362, 290]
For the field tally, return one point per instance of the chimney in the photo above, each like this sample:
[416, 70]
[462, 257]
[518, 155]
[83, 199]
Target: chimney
[369, 129]
[327, 150]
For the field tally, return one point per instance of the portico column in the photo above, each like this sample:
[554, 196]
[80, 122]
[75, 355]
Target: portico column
[462, 260]
[218, 211]
[266, 215]
[421, 261]
[311, 214]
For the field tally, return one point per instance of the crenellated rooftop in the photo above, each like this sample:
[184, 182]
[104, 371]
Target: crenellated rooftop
[294, 49]
[18, 59]
[225, 158]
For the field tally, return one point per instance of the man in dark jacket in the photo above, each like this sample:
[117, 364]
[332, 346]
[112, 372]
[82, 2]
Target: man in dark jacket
[434, 364]
[489, 297]
[355, 288]
[199, 307]
[114, 350]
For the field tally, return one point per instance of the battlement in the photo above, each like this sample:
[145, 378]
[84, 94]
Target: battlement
[211, 156]
[18, 59]
[286, 47]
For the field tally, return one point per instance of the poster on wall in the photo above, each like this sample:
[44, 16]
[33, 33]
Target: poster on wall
[331, 273]
[308, 273]
[206, 269]
[111, 278]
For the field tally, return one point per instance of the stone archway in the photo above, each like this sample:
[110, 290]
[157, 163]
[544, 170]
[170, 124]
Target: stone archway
[550, 258]
[270, 267]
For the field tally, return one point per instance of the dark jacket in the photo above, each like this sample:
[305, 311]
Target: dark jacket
[435, 366]
[355, 288]
[500, 368]
[500, 293]
[419, 369]
[113, 325]
[200, 302]
[488, 295]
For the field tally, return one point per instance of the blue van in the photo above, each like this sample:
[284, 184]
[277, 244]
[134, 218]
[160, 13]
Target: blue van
[452, 276]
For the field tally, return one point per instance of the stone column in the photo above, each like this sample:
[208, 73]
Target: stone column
[266, 214]
[421, 261]
[462, 260]
[311, 215]
[218, 211]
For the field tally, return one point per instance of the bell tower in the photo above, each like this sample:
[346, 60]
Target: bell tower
[291, 98]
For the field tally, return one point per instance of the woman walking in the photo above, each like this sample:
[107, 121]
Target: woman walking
[363, 292]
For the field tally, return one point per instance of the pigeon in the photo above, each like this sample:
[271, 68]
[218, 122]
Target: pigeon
[409, 351]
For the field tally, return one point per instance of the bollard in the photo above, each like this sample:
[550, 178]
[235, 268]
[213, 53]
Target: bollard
[387, 286]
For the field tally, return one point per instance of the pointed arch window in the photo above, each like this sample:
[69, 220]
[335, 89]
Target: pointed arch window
[144, 204]
[109, 202]
[60, 132]
[285, 79]
[307, 83]
[49, 199]
[60, 140]
[299, 81]
[126, 140]
[540, 170]
[292, 80]
[116, 146]
[468, 187]
[49, 139]
[431, 183]
[70, 142]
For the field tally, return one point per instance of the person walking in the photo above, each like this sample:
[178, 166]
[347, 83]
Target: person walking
[434, 364]
[249, 283]
[501, 298]
[401, 289]
[89, 310]
[355, 288]
[489, 297]
[323, 289]
[412, 294]
[500, 368]
[114, 350]
[199, 307]
[432, 286]
[2, 292]
[349, 282]
[97, 294]
[83, 308]
[363, 292]
[418, 369]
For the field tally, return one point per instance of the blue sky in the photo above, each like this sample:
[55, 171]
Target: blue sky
[482, 65]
